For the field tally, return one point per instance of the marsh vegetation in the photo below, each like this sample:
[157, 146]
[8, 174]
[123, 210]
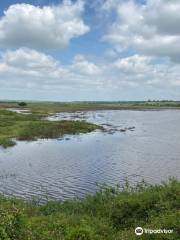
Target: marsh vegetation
[111, 214]
[16, 126]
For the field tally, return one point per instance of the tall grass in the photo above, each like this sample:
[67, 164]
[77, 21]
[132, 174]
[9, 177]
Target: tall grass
[111, 214]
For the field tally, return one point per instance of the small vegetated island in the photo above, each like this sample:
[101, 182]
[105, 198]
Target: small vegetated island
[111, 214]
[33, 126]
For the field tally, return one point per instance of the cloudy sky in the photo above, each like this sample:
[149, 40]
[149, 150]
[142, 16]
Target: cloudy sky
[90, 50]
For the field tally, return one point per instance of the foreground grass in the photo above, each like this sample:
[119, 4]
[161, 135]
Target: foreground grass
[111, 214]
[32, 127]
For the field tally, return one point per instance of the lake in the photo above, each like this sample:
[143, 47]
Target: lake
[136, 145]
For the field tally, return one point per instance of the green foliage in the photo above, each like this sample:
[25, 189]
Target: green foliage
[111, 214]
[22, 104]
[80, 233]
[45, 129]
[12, 224]
[6, 142]
[3, 234]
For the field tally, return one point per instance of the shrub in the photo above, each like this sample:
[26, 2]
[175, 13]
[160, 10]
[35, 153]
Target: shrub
[22, 104]
[80, 233]
[12, 225]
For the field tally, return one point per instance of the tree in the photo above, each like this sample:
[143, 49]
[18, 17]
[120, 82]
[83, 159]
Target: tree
[22, 104]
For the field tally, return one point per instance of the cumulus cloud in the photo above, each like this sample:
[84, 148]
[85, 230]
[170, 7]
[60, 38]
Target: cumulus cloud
[150, 31]
[29, 59]
[134, 64]
[27, 68]
[151, 28]
[82, 66]
[48, 27]
[138, 70]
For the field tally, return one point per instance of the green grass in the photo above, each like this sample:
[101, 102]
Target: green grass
[45, 129]
[50, 107]
[6, 142]
[32, 127]
[53, 107]
[111, 214]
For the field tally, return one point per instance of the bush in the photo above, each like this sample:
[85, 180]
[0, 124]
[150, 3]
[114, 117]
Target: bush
[12, 225]
[3, 234]
[22, 104]
[80, 233]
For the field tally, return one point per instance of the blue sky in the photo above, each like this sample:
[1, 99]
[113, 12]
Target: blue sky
[82, 45]
[89, 50]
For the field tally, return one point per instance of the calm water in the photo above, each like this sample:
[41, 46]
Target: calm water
[70, 167]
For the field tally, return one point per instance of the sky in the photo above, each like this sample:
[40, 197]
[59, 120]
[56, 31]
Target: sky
[98, 50]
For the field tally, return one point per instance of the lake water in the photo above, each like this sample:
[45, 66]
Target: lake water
[137, 145]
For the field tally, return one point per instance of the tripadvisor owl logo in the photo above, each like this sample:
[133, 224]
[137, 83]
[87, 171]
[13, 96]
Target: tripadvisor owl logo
[139, 231]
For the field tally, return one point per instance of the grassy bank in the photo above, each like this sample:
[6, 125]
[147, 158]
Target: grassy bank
[111, 214]
[32, 127]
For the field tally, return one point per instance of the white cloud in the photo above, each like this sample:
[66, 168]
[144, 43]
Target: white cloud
[143, 71]
[151, 29]
[82, 66]
[134, 64]
[48, 27]
[108, 5]
[28, 59]
[27, 69]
